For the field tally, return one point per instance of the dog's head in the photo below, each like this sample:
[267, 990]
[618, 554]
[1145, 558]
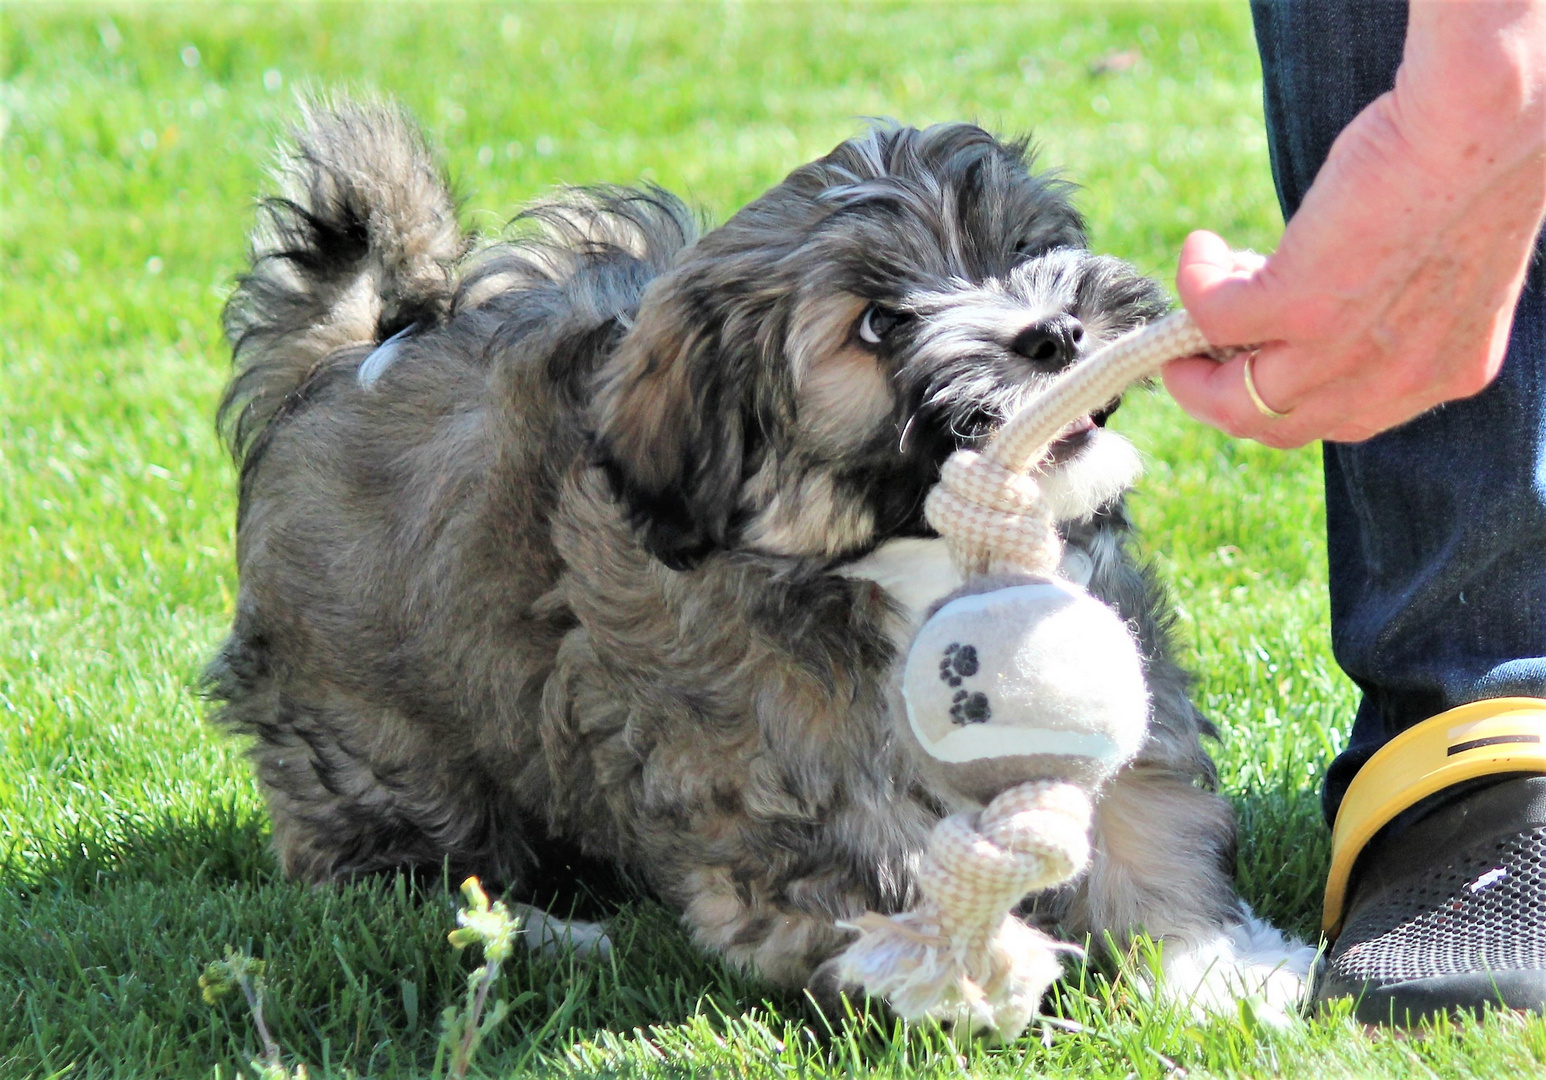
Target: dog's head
[794, 382]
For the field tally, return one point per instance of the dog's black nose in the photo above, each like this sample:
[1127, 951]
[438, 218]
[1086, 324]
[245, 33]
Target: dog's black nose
[1052, 344]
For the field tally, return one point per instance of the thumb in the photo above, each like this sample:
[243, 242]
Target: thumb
[1217, 287]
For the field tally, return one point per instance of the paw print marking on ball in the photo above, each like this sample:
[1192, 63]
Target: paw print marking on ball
[966, 661]
[958, 664]
[970, 708]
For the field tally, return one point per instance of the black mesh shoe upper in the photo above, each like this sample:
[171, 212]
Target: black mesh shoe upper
[1449, 913]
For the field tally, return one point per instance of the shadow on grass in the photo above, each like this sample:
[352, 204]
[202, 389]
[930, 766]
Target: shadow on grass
[222, 843]
[1285, 850]
[103, 940]
[102, 943]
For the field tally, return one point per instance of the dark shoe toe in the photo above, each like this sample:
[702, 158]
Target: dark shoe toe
[1448, 915]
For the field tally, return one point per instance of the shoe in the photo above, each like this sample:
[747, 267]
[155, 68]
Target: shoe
[1437, 895]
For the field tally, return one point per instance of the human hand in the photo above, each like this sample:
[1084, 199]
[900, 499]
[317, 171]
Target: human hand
[1394, 286]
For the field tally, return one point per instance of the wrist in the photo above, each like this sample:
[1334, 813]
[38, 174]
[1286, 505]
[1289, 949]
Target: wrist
[1470, 94]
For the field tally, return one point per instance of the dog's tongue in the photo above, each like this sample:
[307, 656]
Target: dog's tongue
[1072, 438]
[1082, 426]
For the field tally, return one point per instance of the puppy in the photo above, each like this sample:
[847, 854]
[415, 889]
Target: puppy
[612, 534]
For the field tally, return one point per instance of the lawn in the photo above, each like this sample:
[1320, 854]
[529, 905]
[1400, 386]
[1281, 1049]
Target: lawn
[132, 839]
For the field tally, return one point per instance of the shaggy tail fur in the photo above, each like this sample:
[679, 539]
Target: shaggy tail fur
[360, 243]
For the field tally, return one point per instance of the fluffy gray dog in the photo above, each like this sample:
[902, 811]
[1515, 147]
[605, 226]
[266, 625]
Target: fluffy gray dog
[613, 534]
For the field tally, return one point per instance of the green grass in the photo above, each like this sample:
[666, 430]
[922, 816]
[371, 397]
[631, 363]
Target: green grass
[132, 839]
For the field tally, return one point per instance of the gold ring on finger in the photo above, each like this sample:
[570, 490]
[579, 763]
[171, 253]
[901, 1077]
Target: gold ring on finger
[1250, 388]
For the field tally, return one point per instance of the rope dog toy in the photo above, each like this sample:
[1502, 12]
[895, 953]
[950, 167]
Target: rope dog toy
[1023, 693]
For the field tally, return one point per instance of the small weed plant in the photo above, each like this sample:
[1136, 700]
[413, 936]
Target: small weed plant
[239, 971]
[462, 1029]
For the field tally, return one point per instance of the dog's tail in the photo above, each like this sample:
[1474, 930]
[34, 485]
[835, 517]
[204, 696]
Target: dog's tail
[361, 242]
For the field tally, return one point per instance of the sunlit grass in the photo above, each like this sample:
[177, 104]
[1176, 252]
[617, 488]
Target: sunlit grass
[132, 839]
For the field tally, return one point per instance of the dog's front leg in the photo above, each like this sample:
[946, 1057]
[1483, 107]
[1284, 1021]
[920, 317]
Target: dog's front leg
[1164, 866]
[783, 943]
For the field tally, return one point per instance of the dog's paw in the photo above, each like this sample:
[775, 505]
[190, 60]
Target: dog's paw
[830, 988]
[1252, 960]
[548, 935]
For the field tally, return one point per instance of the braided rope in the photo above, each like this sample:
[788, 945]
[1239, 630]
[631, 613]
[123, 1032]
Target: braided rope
[986, 507]
[957, 956]
[980, 864]
[989, 514]
[1095, 382]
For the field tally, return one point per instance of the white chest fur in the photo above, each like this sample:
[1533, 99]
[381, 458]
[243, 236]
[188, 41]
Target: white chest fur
[917, 572]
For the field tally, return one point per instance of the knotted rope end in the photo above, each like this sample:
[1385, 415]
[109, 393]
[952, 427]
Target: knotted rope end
[957, 958]
[993, 519]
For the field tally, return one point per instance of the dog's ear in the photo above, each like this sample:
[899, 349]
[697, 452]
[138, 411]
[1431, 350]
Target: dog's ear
[672, 417]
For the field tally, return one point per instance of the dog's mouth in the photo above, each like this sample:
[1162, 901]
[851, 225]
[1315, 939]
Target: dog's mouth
[1077, 435]
[1072, 439]
[926, 446]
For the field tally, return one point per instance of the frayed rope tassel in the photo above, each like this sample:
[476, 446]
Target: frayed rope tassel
[957, 957]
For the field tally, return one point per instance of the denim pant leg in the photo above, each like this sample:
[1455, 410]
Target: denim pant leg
[1436, 530]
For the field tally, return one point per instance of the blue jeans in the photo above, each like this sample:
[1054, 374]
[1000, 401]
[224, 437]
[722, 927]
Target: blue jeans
[1436, 530]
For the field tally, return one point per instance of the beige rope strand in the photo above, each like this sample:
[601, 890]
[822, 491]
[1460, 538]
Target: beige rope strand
[1087, 386]
[958, 956]
[986, 507]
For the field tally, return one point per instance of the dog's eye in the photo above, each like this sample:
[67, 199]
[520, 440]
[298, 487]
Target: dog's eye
[876, 323]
